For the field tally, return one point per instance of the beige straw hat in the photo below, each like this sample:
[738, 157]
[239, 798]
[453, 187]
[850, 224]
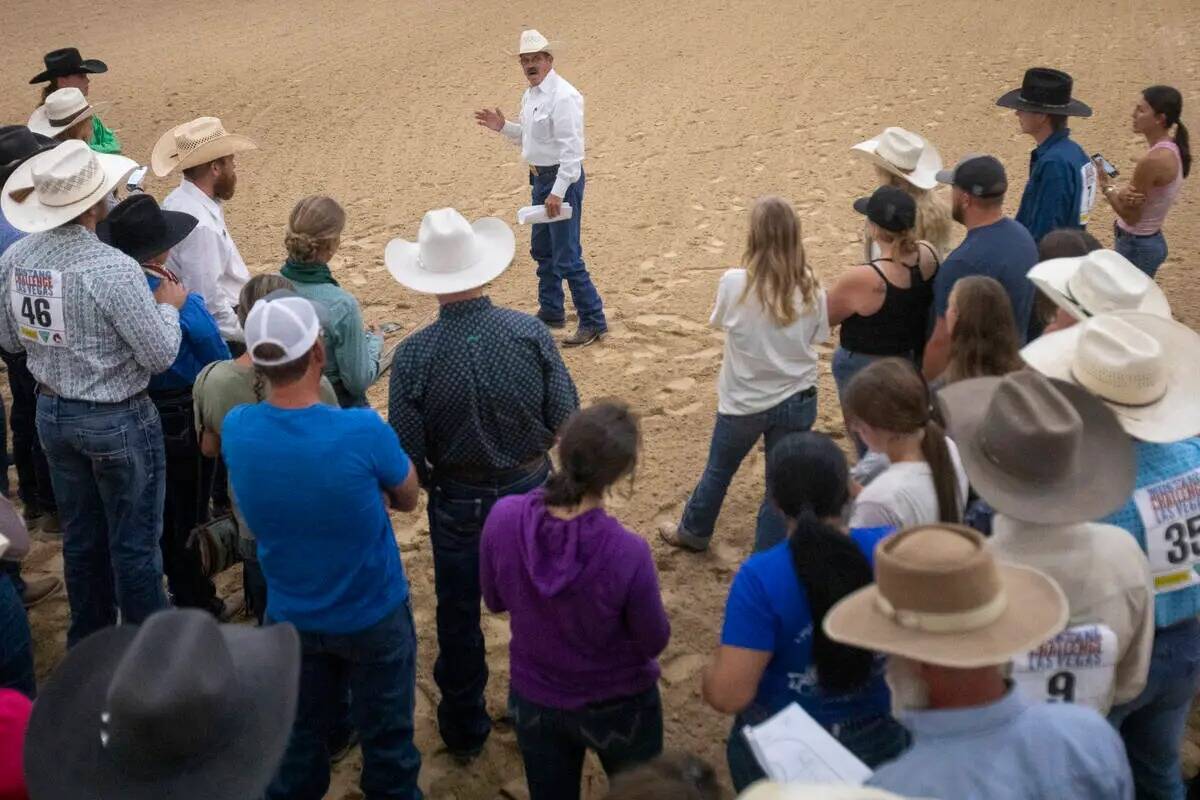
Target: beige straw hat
[194, 143]
[940, 597]
[769, 790]
[1103, 280]
[55, 187]
[62, 109]
[534, 42]
[902, 153]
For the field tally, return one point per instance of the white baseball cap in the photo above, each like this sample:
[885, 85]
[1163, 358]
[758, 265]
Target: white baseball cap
[286, 320]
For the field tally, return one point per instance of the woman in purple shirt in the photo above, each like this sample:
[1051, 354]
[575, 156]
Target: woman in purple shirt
[587, 618]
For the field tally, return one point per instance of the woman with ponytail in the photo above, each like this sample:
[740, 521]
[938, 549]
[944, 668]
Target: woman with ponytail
[1143, 203]
[587, 619]
[773, 649]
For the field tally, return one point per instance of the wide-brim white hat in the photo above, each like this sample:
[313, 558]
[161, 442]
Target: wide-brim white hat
[903, 153]
[55, 187]
[450, 254]
[770, 790]
[532, 41]
[62, 109]
[1099, 282]
[1142, 366]
[191, 144]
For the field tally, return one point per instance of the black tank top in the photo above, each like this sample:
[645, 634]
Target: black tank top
[898, 327]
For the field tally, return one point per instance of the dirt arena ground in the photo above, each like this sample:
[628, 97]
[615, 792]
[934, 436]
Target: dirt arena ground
[693, 110]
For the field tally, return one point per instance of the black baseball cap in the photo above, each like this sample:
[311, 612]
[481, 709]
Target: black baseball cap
[890, 208]
[978, 176]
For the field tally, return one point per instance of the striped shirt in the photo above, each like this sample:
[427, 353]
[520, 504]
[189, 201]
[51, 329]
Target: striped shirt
[85, 316]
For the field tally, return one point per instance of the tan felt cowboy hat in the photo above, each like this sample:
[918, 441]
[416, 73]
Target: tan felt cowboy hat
[1144, 367]
[940, 597]
[194, 143]
[769, 790]
[55, 187]
[902, 153]
[450, 254]
[1039, 450]
[62, 109]
[1103, 280]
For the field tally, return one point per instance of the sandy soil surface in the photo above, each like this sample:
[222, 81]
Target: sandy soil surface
[693, 110]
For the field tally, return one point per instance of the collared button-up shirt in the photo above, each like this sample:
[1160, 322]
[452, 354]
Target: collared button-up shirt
[551, 129]
[1011, 749]
[208, 261]
[1106, 579]
[1061, 189]
[201, 344]
[91, 328]
[480, 389]
[351, 352]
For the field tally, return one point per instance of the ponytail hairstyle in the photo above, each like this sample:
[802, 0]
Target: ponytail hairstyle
[809, 482]
[934, 221]
[889, 395]
[1167, 100]
[776, 268]
[597, 447]
[314, 228]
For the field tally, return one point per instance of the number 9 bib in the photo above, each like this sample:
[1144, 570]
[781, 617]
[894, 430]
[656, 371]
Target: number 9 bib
[37, 303]
[1077, 666]
[1170, 512]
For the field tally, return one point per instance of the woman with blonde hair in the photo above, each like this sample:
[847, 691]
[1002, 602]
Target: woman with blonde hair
[773, 314]
[312, 238]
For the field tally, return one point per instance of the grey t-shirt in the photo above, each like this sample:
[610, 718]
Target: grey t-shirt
[903, 495]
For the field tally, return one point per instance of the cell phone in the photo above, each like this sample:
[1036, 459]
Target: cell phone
[135, 178]
[1108, 168]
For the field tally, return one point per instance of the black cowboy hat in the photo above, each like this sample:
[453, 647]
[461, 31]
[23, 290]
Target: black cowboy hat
[177, 707]
[1045, 91]
[18, 144]
[141, 230]
[61, 63]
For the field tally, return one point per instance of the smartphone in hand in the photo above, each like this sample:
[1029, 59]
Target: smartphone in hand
[1104, 164]
[135, 179]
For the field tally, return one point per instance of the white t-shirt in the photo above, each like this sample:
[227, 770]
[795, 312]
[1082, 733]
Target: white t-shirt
[903, 495]
[764, 364]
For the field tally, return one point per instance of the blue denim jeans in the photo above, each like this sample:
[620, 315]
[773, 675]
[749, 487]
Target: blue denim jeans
[1147, 253]
[457, 512]
[556, 249]
[378, 667]
[732, 438]
[16, 643]
[845, 365]
[109, 471]
[623, 732]
[1152, 724]
[33, 473]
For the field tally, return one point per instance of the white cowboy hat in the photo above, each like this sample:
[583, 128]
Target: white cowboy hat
[902, 153]
[1141, 365]
[62, 109]
[770, 790]
[450, 254]
[533, 42]
[191, 144]
[1101, 281]
[57, 186]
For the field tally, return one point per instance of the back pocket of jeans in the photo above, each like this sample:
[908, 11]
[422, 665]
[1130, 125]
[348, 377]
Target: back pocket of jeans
[106, 445]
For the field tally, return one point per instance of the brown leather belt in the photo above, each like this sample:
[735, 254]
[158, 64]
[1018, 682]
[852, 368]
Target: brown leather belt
[536, 170]
[46, 391]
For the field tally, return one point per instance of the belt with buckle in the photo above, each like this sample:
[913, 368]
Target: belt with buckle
[537, 171]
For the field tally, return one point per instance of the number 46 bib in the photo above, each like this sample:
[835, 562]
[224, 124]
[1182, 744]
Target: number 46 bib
[37, 304]
[1170, 512]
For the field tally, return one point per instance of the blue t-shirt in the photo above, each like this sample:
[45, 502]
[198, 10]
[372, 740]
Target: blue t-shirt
[767, 610]
[201, 344]
[1061, 187]
[1003, 250]
[309, 482]
[8, 234]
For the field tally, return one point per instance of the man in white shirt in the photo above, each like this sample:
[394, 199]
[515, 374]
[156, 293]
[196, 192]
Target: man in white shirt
[207, 261]
[550, 133]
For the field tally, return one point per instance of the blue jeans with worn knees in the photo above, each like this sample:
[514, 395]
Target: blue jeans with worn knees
[1152, 724]
[624, 732]
[457, 512]
[1147, 253]
[378, 667]
[556, 248]
[109, 471]
[16, 643]
[732, 438]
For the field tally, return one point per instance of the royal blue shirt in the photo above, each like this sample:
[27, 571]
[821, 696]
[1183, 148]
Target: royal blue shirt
[309, 483]
[1003, 250]
[201, 344]
[8, 234]
[1054, 197]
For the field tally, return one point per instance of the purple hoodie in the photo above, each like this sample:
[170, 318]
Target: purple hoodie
[587, 619]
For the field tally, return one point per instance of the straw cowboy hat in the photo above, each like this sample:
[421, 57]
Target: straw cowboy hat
[191, 144]
[450, 254]
[1039, 450]
[1102, 280]
[902, 153]
[62, 109]
[941, 598]
[533, 42]
[1141, 365]
[65, 62]
[1045, 91]
[769, 790]
[55, 187]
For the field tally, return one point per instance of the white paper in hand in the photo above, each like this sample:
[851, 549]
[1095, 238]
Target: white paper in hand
[792, 748]
[532, 215]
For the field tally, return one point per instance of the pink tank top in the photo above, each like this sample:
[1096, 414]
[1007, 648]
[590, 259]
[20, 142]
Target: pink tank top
[1158, 199]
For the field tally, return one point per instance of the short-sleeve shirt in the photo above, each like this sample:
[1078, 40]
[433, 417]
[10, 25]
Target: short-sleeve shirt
[1003, 250]
[310, 482]
[904, 494]
[767, 610]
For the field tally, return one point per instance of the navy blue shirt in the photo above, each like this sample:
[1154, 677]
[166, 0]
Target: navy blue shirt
[200, 346]
[481, 389]
[1061, 187]
[1003, 250]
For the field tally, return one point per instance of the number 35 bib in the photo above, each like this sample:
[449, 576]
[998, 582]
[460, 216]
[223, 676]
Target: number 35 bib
[1077, 666]
[37, 304]
[1170, 512]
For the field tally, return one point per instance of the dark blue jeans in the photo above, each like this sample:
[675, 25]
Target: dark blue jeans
[732, 438]
[33, 473]
[378, 667]
[1147, 253]
[109, 471]
[624, 732]
[556, 249]
[16, 643]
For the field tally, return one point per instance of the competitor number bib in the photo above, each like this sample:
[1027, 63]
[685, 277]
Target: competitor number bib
[1077, 666]
[1088, 191]
[37, 303]
[1170, 512]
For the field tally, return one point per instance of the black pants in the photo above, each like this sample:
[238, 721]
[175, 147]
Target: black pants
[33, 473]
[189, 487]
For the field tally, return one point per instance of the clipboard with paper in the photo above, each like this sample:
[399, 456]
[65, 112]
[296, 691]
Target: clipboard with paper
[792, 747]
